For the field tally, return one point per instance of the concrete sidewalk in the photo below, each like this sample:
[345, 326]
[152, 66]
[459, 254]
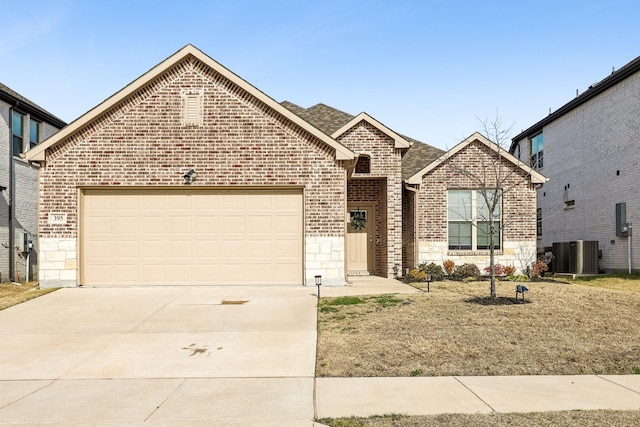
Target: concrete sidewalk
[343, 397]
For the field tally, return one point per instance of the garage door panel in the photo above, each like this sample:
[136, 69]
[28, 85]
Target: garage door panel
[233, 224]
[258, 223]
[125, 249]
[206, 223]
[191, 236]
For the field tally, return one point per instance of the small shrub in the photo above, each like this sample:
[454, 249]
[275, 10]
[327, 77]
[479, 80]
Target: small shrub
[463, 271]
[509, 270]
[416, 275]
[449, 266]
[538, 268]
[497, 268]
[437, 273]
[416, 373]
[469, 279]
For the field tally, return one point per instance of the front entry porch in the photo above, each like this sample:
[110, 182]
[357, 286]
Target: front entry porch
[374, 228]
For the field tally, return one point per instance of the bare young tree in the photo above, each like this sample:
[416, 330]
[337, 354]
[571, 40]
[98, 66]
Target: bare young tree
[493, 180]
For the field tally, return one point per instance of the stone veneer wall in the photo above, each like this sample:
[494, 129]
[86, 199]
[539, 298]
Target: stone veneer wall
[240, 142]
[518, 210]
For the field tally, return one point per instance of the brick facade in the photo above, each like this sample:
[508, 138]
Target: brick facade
[242, 142]
[382, 186]
[518, 209]
[590, 157]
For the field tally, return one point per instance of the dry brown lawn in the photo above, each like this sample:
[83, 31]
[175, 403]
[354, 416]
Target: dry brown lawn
[581, 327]
[540, 419]
[12, 294]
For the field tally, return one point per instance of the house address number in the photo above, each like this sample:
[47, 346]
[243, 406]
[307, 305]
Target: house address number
[57, 218]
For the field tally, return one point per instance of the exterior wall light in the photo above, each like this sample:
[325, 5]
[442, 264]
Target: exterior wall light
[190, 176]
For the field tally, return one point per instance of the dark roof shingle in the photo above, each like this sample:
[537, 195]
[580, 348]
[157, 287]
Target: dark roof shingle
[329, 120]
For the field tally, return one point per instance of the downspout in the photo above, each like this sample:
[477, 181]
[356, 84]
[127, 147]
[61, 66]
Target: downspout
[416, 241]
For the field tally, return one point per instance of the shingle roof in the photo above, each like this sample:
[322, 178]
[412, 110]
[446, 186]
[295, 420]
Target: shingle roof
[418, 157]
[12, 97]
[329, 119]
[595, 89]
[325, 118]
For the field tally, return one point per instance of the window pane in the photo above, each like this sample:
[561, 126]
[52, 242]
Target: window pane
[17, 123]
[484, 236]
[34, 133]
[539, 222]
[483, 209]
[459, 205]
[459, 235]
[17, 145]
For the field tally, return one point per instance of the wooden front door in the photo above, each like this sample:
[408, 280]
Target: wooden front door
[360, 240]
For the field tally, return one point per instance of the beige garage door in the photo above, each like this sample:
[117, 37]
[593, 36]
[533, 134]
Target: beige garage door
[200, 237]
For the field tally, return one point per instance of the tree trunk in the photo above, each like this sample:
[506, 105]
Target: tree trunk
[492, 231]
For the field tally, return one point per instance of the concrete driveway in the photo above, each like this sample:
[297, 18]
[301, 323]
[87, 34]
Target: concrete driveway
[225, 356]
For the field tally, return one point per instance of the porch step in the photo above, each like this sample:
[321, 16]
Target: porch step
[358, 273]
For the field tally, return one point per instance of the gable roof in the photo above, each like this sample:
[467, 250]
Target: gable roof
[14, 99]
[399, 141]
[536, 177]
[38, 153]
[594, 90]
[330, 120]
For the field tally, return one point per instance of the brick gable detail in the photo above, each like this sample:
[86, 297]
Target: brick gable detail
[242, 142]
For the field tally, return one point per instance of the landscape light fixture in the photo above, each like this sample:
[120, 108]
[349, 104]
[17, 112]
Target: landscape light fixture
[190, 176]
[318, 283]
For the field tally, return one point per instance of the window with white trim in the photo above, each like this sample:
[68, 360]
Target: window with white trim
[469, 221]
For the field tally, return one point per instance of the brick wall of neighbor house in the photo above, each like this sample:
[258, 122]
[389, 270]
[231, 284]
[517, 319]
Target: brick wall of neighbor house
[241, 142]
[25, 200]
[519, 212]
[364, 138]
[593, 152]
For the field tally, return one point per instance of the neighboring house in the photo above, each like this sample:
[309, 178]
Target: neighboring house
[23, 125]
[588, 149]
[190, 175]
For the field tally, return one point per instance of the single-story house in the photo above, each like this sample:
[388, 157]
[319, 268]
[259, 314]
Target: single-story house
[191, 175]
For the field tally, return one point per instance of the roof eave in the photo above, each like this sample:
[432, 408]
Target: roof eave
[536, 177]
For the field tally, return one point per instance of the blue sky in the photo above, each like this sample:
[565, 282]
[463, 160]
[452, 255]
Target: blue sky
[427, 69]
